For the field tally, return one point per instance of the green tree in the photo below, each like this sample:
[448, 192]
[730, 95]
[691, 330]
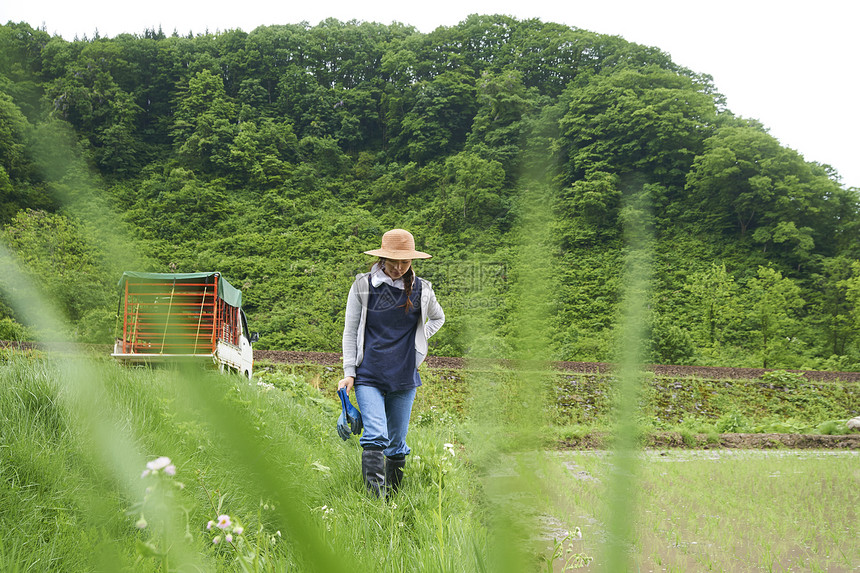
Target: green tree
[670, 343]
[179, 207]
[651, 122]
[87, 96]
[472, 191]
[60, 259]
[21, 65]
[715, 299]
[262, 153]
[205, 124]
[309, 105]
[852, 296]
[15, 133]
[832, 309]
[500, 124]
[440, 119]
[745, 182]
[589, 208]
[775, 303]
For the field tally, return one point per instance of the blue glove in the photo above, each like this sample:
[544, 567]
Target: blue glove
[343, 429]
[350, 417]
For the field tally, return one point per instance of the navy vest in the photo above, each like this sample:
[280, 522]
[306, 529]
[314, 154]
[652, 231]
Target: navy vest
[389, 339]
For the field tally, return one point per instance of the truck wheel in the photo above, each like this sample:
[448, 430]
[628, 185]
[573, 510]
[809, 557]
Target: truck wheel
[248, 374]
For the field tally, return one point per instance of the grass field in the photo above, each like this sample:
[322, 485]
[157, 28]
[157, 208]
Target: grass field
[82, 486]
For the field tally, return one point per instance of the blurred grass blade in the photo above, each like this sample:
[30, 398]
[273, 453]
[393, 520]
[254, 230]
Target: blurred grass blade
[623, 476]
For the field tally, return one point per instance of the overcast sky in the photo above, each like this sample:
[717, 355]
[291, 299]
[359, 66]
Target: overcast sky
[790, 64]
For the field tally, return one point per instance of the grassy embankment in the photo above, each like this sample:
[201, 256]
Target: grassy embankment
[697, 409]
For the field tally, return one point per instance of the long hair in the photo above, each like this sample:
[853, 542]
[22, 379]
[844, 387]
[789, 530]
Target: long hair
[408, 280]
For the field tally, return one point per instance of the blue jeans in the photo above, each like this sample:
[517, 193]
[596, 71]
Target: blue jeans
[386, 418]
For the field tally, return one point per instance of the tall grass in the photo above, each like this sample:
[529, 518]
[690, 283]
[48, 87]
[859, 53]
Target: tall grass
[267, 455]
[506, 412]
[63, 509]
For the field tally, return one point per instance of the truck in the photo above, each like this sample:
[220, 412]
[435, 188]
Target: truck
[171, 317]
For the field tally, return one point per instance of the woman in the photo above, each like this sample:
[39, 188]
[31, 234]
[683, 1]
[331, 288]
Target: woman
[390, 314]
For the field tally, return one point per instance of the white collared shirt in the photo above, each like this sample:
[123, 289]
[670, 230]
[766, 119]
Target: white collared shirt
[378, 276]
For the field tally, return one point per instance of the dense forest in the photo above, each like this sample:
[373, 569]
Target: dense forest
[277, 156]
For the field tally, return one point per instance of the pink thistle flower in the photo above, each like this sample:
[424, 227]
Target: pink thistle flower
[224, 521]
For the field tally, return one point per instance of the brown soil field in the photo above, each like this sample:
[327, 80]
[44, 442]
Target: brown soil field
[674, 440]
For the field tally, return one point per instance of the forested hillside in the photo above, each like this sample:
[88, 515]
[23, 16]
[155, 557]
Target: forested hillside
[277, 156]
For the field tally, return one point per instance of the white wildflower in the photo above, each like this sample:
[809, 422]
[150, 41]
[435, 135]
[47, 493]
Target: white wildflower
[158, 463]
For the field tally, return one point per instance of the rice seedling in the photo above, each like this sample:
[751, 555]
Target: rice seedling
[724, 510]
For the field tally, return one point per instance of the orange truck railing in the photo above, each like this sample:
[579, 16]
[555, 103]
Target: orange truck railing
[176, 317]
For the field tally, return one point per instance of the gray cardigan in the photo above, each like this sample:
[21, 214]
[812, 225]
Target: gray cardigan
[432, 318]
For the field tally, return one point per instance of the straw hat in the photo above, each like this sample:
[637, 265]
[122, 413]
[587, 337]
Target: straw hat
[398, 244]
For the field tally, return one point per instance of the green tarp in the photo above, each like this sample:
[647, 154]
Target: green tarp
[226, 292]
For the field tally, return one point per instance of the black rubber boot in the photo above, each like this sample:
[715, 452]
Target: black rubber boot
[373, 471]
[394, 473]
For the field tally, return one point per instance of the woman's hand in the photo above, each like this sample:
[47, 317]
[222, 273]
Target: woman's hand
[346, 383]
